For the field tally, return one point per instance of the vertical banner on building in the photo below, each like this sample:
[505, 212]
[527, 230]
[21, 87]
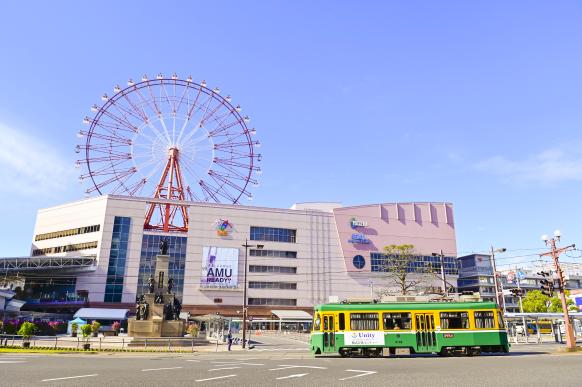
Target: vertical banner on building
[219, 267]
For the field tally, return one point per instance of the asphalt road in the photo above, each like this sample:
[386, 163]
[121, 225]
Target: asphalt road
[287, 368]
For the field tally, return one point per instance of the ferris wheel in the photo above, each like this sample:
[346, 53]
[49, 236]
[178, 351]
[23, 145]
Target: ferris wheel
[169, 138]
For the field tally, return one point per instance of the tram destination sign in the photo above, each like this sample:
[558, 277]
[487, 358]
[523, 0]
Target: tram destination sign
[364, 338]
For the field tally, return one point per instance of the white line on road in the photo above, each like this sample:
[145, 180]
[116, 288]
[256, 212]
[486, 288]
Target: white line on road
[160, 369]
[218, 377]
[11, 361]
[220, 363]
[195, 361]
[287, 366]
[69, 377]
[224, 368]
[364, 373]
[292, 376]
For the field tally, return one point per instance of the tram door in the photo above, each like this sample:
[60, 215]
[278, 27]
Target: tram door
[328, 333]
[425, 333]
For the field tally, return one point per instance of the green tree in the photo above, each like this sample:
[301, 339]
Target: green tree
[398, 267]
[535, 302]
[27, 330]
[556, 303]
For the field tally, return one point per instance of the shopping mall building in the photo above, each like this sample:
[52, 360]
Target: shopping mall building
[297, 257]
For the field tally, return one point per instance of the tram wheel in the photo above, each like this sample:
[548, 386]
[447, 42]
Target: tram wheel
[344, 353]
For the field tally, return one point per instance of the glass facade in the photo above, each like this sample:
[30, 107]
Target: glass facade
[117, 257]
[147, 263]
[419, 265]
[273, 234]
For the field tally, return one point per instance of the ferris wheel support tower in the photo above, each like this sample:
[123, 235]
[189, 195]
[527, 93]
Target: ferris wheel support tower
[174, 190]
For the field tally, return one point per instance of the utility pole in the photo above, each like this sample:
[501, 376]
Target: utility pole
[495, 280]
[555, 254]
[443, 274]
[443, 277]
[372, 290]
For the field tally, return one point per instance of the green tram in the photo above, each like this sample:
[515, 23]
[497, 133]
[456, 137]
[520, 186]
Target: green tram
[384, 329]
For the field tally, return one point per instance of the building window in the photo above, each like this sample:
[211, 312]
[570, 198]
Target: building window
[484, 320]
[273, 234]
[272, 285]
[359, 262]
[454, 320]
[64, 249]
[273, 253]
[273, 301]
[176, 264]
[117, 258]
[395, 321]
[69, 232]
[422, 264]
[272, 269]
[364, 321]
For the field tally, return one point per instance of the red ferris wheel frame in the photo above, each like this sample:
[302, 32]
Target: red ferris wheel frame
[129, 141]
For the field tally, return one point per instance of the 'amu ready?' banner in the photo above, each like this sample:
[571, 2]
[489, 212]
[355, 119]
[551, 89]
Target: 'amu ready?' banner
[219, 267]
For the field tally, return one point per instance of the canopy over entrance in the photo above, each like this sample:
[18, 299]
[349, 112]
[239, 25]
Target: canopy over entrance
[292, 315]
[101, 314]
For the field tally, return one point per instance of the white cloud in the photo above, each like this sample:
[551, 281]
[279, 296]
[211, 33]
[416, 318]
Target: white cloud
[552, 165]
[28, 167]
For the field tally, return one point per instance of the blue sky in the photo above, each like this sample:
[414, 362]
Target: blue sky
[477, 103]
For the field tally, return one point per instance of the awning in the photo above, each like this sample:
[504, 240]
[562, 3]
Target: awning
[292, 315]
[101, 314]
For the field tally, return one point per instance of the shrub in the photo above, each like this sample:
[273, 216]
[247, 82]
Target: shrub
[86, 330]
[193, 329]
[27, 330]
[95, 325]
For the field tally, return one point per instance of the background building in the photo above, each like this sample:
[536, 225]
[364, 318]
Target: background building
[309, 253]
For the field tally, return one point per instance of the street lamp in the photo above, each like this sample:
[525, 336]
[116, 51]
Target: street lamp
[246, 246]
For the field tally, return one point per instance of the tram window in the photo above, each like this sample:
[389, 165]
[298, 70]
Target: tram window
[325, 323]
[454, 320]
[484, 320]
[500, 320]
[342, 321]
[317, 323]
[364, 321]
[395, 321]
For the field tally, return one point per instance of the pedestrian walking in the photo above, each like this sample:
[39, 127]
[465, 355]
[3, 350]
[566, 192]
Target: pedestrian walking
[229, 339]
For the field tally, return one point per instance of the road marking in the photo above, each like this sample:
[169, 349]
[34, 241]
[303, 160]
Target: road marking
[221, 363]
[218, 377]
[364, 373]
[287, 366]
[224, 368]
[11, 361]
[195, 361]
[292, 376]
[69, 377]
[160, 369]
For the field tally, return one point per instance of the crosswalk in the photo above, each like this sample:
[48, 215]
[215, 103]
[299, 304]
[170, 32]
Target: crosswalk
[13, 359]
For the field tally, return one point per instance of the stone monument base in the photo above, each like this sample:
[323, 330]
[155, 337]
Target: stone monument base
[155, 327]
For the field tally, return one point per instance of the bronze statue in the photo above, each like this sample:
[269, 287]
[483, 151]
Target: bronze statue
[151, 283]
[138, 310]
[145, 311]
[170, 285]
[163, 246]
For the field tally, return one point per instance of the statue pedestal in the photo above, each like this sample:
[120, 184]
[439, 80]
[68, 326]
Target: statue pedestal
[155, 324]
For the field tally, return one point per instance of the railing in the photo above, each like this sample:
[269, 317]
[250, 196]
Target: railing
[114, 343]
[19, 264]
